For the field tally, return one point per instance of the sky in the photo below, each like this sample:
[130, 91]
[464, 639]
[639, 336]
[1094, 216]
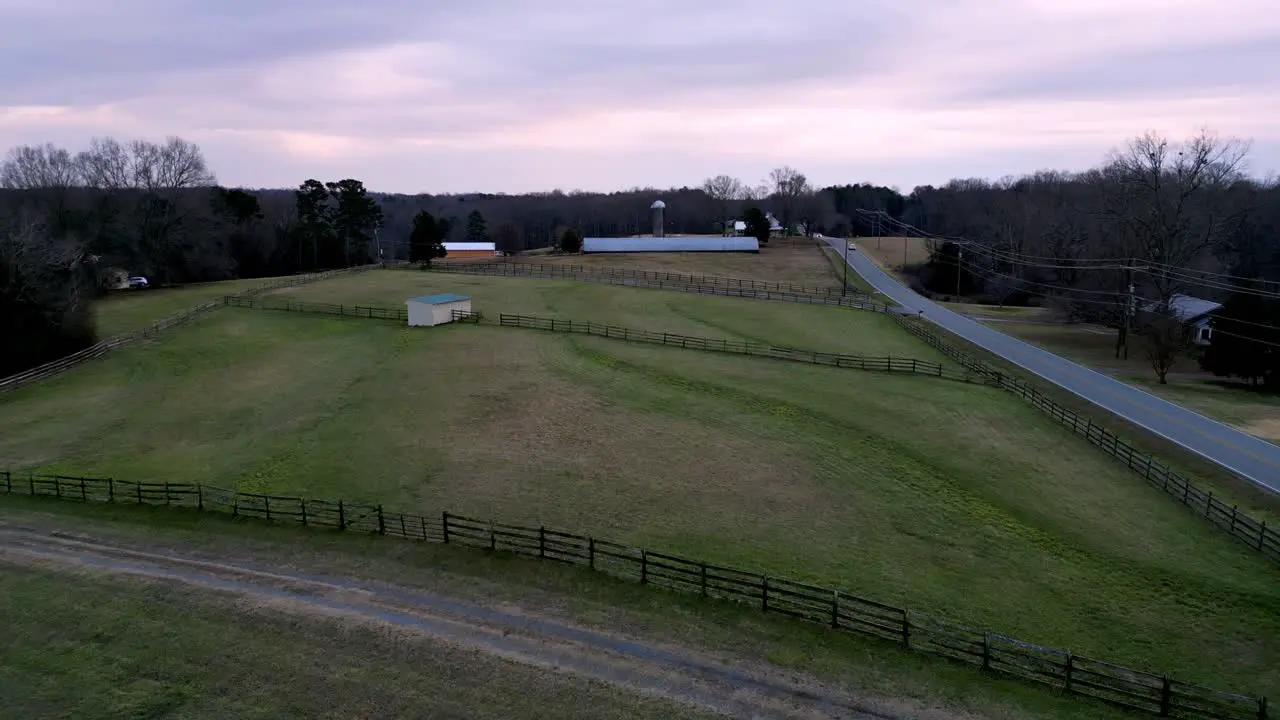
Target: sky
[522, 95]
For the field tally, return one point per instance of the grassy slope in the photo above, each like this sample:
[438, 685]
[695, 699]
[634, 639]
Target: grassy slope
[91, 646]
[814, 327]
[734, 634]
[135, 309]
[786, 264]
[942, 496]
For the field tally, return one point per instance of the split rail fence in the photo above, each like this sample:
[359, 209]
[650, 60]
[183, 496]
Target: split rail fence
[1249, 530]
[737, 347]
[1154, 693]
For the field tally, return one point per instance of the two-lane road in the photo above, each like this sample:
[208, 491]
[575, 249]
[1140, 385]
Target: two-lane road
[1249, 457]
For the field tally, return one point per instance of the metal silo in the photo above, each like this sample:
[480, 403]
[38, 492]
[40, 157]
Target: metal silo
[658, 225]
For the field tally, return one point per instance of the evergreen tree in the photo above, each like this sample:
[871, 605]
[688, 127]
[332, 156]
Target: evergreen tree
[426, 241]
[476, 230]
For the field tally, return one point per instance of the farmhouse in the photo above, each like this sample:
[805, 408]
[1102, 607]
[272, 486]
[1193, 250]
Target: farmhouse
[432, 310]
[1194, 314]
[462, 250]
[670, 244]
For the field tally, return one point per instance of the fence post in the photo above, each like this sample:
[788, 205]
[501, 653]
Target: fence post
[1262, 534]
[835, 609]
[1235, 509]
[906, 630]
[303, 503]
[542, 542]
[644, 567]
[1070, 662]
[764, 594]
[138, 488]
[57, 487]
[382, 521]
[422, 527]
[1262, 708]
[84, 497]
[591, 553]
[199, 496]
[8, 481]
[342, 516]
[1208, 503]
[493, 537]
[266, 504]
[1166, 696]
[986, 651]
[167, 501]
[444, 525]
[31, 482]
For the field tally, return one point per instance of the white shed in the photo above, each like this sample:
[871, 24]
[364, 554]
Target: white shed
[432, 310]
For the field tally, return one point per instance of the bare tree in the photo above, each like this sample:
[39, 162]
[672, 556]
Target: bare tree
[1167, 201]
[1164, 338]
[31, 167]
[789, 187]
[724, 190]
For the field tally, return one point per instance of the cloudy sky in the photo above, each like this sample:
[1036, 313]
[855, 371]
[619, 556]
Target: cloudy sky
[519, 95]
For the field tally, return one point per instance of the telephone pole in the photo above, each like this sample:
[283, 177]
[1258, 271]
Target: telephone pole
[959, 267]
[844, 288]
[1122, 338]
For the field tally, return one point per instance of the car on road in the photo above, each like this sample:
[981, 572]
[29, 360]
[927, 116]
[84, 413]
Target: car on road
[138, 283]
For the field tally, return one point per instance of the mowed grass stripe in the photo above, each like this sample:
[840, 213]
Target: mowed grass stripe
[938, 496]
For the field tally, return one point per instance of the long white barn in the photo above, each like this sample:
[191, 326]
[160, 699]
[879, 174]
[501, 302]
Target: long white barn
[670, 244]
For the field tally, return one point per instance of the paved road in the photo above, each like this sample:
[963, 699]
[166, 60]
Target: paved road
[1251, 458]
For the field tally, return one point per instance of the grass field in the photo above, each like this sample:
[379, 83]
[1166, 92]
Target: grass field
[125, 311]
[888, 252]
[941, 496]
[735, 635]
[94, 646]
[800, 265]
[800, 325]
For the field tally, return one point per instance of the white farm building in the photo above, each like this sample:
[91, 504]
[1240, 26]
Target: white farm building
[432, 310]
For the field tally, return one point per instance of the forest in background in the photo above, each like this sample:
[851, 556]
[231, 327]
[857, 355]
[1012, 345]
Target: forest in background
[1166, 217]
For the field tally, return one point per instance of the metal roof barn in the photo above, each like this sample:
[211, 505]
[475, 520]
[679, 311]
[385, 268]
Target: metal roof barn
[670, 244]
[432, 310]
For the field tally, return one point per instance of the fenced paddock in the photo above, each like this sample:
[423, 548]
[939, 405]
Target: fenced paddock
[1249, 530]
[737, 347]
[182, 317]
[1148, 692]
[702, 284]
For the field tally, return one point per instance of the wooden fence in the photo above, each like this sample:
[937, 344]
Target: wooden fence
[703, 284]
[360, 311]
[738, 347]
[181, 317]
[1249, 530]
[1154, 693]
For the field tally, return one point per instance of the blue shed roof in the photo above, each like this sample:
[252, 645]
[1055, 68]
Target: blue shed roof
[439, 299]
[670, 244]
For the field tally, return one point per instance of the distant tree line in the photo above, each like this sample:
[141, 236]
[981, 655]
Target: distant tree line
[71, 222]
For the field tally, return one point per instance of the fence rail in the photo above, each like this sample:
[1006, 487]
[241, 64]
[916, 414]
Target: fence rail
[361, 311]
[1154, 693]
[181, 317]
[1249, 530]
[673, 281]
[738, 347]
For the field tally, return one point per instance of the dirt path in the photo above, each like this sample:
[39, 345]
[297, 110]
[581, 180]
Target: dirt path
[508, 634]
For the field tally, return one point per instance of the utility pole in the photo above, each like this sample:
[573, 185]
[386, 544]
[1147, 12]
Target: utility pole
[844, 287]
[959, 267]
[1122, 338]
[904, 253]
[876, 225]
